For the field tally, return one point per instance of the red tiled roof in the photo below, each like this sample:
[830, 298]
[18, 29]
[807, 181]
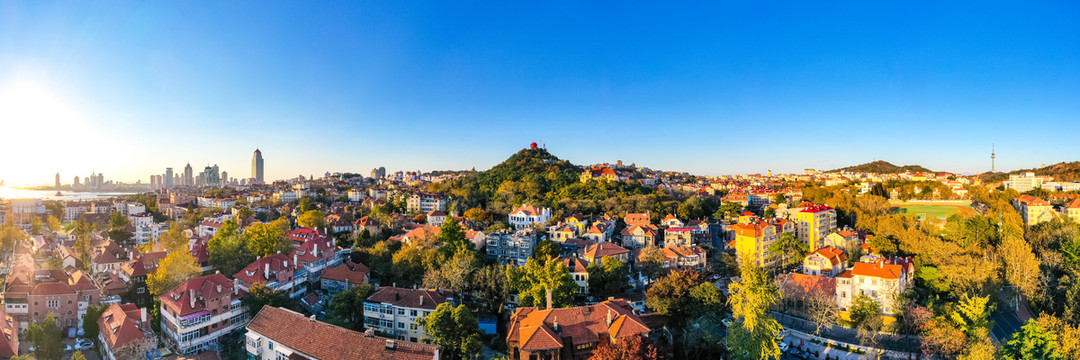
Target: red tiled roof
[410, 298]
[354, 273]
[143, 264]
[878, 270]
[303, 234]
[122, 325]
[527, 210]
[535, 329]
[204, 287]
[1031, 201]
[834, 255]
[319, 340]
[575, 265]
[255, 273]
[9, 344]
[637, 219]
[815, 209]
[803, 285]
[602, 249]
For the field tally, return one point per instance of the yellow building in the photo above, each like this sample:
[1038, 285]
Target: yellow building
[1034, 210]
[1072, 210]
[814, 224]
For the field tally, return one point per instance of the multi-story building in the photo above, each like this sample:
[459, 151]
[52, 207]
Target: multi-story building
[135, 272]
[1024, 182]
[883, 281]
[1071, 209]
[398, 312]
[125, 332]
[149, 233]
[511, 248]
[275, 271]
[679, 237]
[671, 221]
[436, 218]
[752, 239]
[526, 215]
[826, 261]
[571, 333]
[684, 258]
[638, 236]
[209, 202]
[814, 223]
[344, 276]
[108, 257]
[9, 344]
[22, 212]
[314, 256]
[277, 333]
[199, 311]
[30, 296]
[422, 202]
[579, 271]
[1034, 210]
[74, 209]
[257, 167]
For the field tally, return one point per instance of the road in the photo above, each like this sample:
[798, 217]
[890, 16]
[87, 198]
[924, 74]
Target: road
[1005, 325]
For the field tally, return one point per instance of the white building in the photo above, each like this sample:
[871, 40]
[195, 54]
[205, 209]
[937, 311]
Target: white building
[1024, 182]
[199, 311]
[276, 334]
[206, 202]
[882, 281]
[526, 215]
[356, 195]
[398, 311]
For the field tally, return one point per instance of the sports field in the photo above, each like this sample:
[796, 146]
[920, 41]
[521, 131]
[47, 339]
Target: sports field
[925, 211]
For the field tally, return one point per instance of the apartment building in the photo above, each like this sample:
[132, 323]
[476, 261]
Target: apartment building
[277, 333]
[814, 223]
[422, 202]
[883, 281]
[277, 272]
[199, 311]
[397, 311]
[1024, 182]
[511, 247]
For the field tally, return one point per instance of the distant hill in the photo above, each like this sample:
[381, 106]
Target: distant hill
[1063, 171]
[883, 167]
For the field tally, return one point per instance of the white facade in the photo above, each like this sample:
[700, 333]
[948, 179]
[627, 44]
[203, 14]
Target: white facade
[206, 202]
[522, 218]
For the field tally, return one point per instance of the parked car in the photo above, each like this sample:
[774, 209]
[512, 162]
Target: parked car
[783, 347]
[799, 353]
[84, 344]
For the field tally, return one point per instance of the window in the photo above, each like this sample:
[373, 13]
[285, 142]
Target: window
[52, 303]
[281, 356]
[412, 313]
[270, 345]
[401, 311]
[401, 325]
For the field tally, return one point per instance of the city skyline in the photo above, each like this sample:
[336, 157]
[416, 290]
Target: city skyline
[712, 90]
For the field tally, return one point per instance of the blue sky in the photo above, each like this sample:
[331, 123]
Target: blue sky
[711, 89]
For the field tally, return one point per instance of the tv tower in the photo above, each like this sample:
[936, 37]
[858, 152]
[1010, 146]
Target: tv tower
[993, 157]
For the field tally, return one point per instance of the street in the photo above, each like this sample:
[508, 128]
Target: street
[1005, 325]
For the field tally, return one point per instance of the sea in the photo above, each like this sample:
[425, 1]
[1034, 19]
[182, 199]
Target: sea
[13, 192]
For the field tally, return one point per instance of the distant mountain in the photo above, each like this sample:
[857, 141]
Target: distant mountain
[883, 167]
[1063, 171]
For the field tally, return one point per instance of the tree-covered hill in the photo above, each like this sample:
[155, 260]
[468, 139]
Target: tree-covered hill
[536, 177]
[883, 167]
[1063, 171]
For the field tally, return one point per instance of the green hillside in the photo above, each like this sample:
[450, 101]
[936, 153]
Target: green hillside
[883, 167]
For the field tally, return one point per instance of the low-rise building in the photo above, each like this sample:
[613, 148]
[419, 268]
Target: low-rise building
[277, 333]
[594, 253]
[571, 333]
[422, 202]
[526, 215]
[1033, 210]
[344, 276]
[125, 332]
[579, 271]
[397, 312]
[9, 344]
[883, 281]
[276, 271]
[826, 261]
[678, 237]
[511, 247]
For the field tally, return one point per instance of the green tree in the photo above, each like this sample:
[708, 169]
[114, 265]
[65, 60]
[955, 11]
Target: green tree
[491, 284]
[174, 239]
[227, 249]
[83, 250]
[534, 280]
[779, 198]
[879, 190]
[728, 210]
[78, 355]
[1031, 343]
[683, 295]
[609, 277]
[268, 239]
[753, 334]
[972, 315]
[651, 261]
[455, 329]
[312, 218]
[547, 250]
[260, 295]
[348, 306]
[9, 234]
[789, 249]
[243, 213]
[173, 270]
[90, 320]
[452, 238]
[306, 204]
[46, 338]
[864, 308]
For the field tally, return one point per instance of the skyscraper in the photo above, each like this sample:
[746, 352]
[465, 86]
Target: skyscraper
[58, 181]
[257, 167]
[168, 178]
[189, 178]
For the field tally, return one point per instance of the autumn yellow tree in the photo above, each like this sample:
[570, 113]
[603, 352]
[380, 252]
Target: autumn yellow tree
[174, 269]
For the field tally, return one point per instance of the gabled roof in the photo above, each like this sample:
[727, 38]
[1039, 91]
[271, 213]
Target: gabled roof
[121, 325]
[602, 249]
[804, 286]
[143, 264]
[312, 250]
[303, 234]
[256, 272]
[1032, 201]
[815, 209]
[410, 298]
[203, 287]
[833, 255]
[574, 265]
[637, 219]
[354, 273]
[878, 270]
[9, 344]
[312, 339]
[526, 210]
[366, 221]
[535, 329]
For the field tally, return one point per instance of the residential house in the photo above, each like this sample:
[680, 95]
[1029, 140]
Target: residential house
[671, 221]
[1071, 209]
[639, 236]
[397, 312]
[599, 173]
[685, 257]
[125, 332]
[526, 215]
[596, 232]
[366, 223]
[594, 253]
[798, 289]
[561, 232]
[422, 202]
[337, 224]
[571, 333]
[678, 236]
[108, 257]
[1033, 210]
[314, 256]
[883, 281]
[578, 270]
[276, 271]
[827, 261]
[277, 333]
[302, 234]
[436, 218]
[199, 311]
[135, 272]
[344, 276]
[9, 344]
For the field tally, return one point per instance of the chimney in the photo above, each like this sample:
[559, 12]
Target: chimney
[390, 344]
[608, 319]
[191, 297]
[421, 300]
[266, 270]
[294, 258]
[312, 318]
[142, 312]
[549, 299]
[219, 288]
[369, 332]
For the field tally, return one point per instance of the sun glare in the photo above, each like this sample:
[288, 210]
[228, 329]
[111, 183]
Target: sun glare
[39, 129]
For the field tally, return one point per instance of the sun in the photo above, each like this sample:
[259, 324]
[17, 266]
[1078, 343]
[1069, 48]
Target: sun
[39, 128]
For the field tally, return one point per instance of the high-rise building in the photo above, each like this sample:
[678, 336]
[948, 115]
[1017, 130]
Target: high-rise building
[168, 178]
[257, 167]
[189, 177]
[58, 180]
[224, 177]
[75, 182]
[100, 180]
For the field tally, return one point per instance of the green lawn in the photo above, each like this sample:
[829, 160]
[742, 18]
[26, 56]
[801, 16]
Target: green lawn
[938, 211]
